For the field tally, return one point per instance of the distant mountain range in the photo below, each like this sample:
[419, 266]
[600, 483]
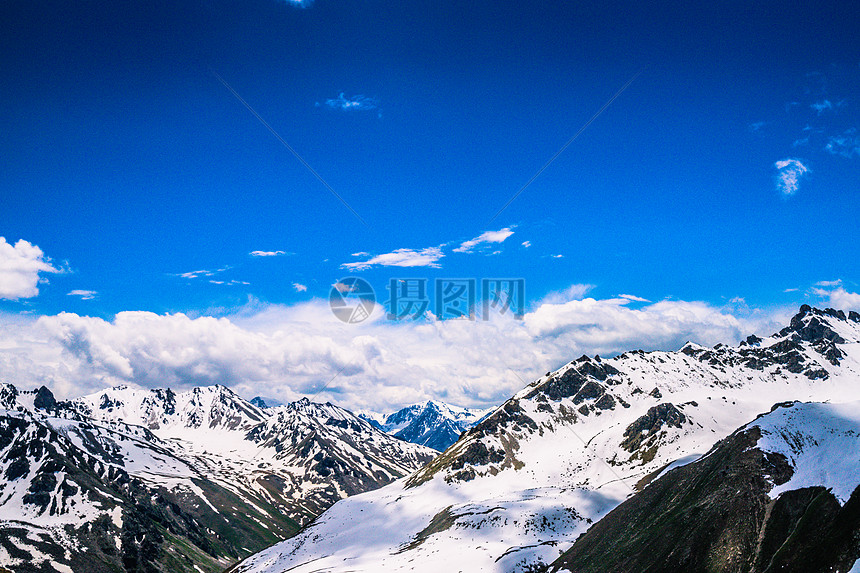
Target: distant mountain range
[157, 480]
[433, 424]
[648, 461]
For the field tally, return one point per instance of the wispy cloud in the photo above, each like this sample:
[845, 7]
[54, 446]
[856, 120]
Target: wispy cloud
[268, 253]
[299, 287]
[486, 237]
[400, 258]
[789, 174]
[835, 283]
[84, 294]
[352, 103]
[573, 292]
[757, 126]
[20, 267]
[232, 282]
[201, 273]
[634, 298]
[846, 145]
[527, 244]
[821, 106]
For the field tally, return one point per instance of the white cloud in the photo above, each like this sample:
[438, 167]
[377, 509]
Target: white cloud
[789, 174]
[300, 287]
[288, 350]
[846, 145]
[838, 298]
[573, 292]
[353, 103]
[400, 258]
[821, 106]
[844, 300]
[196, 274]
[634, 298]
[486, 237]
[84, 294]
[233, 282]
[837, 282]
[360, 254]
[527, 244]
[267, 253]
[20, 266]
[756, 126]
[557, 256]
[202, 273]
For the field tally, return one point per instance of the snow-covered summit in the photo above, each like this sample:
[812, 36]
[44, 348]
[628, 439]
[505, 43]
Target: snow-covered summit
[200, 408]
[432, 423]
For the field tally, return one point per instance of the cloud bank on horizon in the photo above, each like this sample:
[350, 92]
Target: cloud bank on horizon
[292, 351]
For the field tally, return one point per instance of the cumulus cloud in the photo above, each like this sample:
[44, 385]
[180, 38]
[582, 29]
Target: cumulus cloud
[838, 297]
[486, 237]
[842, 299]
[20, 268]
[428, 257]
[267, 253]
[300, 287]
[789, 174]
[353, 103]
[291, 351]
[84, 294]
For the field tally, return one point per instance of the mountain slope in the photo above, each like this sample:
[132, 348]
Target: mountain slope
[85, 497]
[185, 481]
[777, 495]
[515, 491]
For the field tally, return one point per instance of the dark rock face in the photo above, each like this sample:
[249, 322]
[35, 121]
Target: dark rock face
[715, 515]
[651, 423]
[45, 400]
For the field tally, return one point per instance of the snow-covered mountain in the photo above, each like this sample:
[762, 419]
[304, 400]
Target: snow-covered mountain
[167, 481]
[780, 494]
[433, 424]
[519, 487]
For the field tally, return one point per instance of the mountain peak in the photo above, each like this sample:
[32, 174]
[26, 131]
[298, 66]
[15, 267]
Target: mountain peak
[814, 325]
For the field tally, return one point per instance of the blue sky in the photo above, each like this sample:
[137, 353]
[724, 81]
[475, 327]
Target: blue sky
[727, 170]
